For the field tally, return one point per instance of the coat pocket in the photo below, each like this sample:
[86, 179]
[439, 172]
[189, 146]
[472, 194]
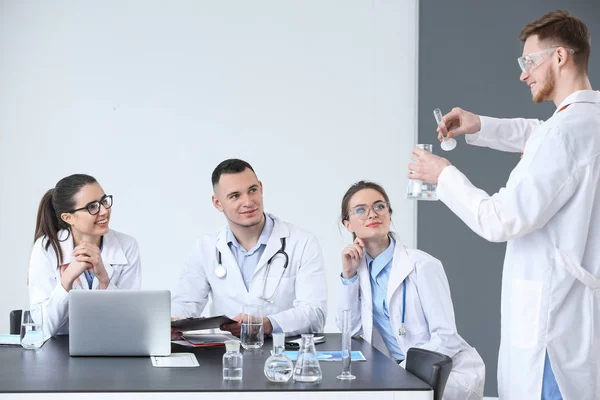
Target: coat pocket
[525, 310]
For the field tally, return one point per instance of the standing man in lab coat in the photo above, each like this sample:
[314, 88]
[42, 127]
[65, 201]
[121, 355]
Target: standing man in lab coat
[549, 213]
[257, 257]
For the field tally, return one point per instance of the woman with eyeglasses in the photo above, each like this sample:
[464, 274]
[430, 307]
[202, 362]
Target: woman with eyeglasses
[74, 249]
[399, 298]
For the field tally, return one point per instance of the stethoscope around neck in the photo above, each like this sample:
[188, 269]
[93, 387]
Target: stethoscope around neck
[402, 329]
[221, 272]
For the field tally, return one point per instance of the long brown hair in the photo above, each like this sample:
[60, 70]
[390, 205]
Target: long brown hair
[355, 188]
[60, 199]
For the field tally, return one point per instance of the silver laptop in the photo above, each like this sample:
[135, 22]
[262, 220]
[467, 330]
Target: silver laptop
[120, 322]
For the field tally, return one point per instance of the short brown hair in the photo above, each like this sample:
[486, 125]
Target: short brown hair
[561, 28]
[230, 166]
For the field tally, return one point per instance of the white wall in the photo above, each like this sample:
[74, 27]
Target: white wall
[149, 96]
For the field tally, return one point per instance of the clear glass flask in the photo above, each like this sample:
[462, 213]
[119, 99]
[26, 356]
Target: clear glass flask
[278, 367]
[307, 367]
[346, 374]
[233, 361]
[419, 190]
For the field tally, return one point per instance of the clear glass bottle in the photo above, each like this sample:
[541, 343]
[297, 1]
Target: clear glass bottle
[233, 361]
[307, 367]
[278, 367]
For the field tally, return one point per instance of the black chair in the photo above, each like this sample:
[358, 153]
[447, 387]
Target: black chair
[431, 367]
[15, 322]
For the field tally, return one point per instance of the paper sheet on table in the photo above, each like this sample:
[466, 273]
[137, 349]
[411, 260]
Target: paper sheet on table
[176, 360]
[329, 355]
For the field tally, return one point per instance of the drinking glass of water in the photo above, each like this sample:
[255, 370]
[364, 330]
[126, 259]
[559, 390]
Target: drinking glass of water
[252, 327]
[32, 334]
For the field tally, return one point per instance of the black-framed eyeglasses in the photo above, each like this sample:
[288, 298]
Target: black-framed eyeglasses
[94, 207]
[361, 211]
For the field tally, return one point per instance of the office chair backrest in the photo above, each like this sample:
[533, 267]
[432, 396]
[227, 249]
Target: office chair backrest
[431, 367]
[15, 322]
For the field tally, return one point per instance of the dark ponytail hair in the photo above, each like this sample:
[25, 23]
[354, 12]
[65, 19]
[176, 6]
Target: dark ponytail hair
[357, 187]
[55, 202]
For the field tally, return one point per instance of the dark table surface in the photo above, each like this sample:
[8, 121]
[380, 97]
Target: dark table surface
[51, 369]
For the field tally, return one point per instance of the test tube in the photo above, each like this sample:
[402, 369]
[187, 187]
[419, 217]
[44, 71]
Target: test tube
[346, 374]
[448, 143]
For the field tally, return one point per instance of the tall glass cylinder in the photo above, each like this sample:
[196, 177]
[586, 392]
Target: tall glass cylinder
[346, 347]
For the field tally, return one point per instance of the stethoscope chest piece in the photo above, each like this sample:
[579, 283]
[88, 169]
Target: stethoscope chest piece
[220, 271]
[402, 330]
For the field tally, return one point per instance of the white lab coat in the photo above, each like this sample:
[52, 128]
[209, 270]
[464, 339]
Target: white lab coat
[429, 317]
[549, 212]
[121, 259]
[300, 301]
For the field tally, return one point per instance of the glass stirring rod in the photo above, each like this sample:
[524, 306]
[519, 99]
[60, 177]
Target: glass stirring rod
[448, 143]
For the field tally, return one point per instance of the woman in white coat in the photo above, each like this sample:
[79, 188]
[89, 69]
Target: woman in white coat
[399, 298]
[75, 250]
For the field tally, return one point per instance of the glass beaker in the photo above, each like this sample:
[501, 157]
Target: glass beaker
[252, 335]
[307, 367]
[278, 367]
[419, 190]
[32, 333]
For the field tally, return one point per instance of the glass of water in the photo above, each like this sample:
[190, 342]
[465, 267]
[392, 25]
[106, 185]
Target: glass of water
[32, 334]
[419, 190]
[252, 327]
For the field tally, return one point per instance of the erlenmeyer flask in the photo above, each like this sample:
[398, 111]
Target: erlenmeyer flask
[419, 190]
[307, 367]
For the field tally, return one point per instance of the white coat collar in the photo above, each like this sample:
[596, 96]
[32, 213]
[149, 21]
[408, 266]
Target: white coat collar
[580, 96]
[280, 230]
[401, 268]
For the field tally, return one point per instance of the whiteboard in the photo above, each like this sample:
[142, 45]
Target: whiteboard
[149, 96]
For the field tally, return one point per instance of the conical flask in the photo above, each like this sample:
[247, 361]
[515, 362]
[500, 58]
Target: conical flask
[419, 190]
[307, 367]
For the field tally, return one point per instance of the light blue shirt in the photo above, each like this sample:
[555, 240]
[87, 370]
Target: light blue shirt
[550, 390]
[89, 276]
[379, 273]
[247, 260]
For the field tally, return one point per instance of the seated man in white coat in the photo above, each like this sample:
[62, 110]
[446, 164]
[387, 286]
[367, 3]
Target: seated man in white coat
[257, 257]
